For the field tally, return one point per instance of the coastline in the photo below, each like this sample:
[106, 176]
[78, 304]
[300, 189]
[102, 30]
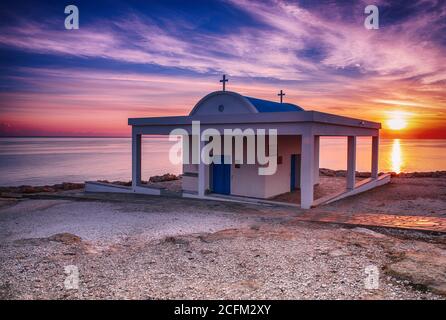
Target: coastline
[66, 186]
[216, 248]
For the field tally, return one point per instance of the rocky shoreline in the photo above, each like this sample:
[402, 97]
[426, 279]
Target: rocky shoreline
[359, 174]
[66, 186]
[26, 189]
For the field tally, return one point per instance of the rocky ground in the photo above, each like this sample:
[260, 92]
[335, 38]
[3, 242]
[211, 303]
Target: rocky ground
[402, 196]
[142, 247]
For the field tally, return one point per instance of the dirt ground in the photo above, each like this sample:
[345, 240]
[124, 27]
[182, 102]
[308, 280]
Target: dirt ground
[402, 196]
[144, 247]
[325, 187]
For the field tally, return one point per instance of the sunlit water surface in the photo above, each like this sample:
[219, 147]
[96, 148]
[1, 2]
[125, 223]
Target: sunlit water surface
[38, 161]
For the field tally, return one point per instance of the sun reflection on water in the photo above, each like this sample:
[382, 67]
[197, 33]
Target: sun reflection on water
[397, 156]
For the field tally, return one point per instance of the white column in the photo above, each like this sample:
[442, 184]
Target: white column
[307, 171]
[316, 159]
[351, 162]
[375, 156]
[136, 159]
[201, 173]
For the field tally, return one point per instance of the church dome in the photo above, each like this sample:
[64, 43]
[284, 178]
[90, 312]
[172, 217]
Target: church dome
[228, 102]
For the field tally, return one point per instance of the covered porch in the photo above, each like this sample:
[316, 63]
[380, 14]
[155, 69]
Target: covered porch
[308, 125]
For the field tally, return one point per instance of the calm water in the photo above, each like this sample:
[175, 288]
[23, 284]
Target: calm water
[37, 161]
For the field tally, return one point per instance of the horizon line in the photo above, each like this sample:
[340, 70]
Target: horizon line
[129, 136]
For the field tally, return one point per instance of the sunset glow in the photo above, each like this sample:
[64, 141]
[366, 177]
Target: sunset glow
[145, 59]
[397, 121]
[397, 156]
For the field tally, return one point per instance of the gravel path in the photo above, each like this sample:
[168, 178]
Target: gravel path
[103, 222]
[165, 249]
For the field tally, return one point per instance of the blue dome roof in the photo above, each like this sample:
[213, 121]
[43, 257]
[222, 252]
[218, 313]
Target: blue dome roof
[271, 106]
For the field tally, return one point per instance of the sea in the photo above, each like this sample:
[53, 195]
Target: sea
[45, 161]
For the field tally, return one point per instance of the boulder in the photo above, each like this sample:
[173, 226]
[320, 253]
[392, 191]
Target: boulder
[164, 177]
[426, 270]
[123, 183]
[341, 173]
[176, 240]
[65, 238]
[363, 174]
[369, 232]
[72, 186]
[327, 172]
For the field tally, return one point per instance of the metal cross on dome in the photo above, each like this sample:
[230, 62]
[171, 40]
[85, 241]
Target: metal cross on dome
[281, 94]
[224, 80]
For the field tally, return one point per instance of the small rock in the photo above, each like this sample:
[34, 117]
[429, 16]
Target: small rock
[337, 253]
[164, 177]
[65, 238]
[176, 240]
[368, 232]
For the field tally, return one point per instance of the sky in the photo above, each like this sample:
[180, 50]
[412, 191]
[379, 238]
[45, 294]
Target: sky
[158, 58]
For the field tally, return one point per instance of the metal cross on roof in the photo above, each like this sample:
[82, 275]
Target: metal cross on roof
[281, 94]
[224, 80]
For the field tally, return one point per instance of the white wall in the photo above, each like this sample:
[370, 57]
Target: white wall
[188, 183]
[245, 181]
[280, 182]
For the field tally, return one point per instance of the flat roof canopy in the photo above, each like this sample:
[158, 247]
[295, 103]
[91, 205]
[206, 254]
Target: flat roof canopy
[259, 118]
[286, 123]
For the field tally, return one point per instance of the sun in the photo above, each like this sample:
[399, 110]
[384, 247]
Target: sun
[397, 121]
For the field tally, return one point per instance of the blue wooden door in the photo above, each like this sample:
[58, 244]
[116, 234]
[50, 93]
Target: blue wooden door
[221, 177]
[295, 172]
